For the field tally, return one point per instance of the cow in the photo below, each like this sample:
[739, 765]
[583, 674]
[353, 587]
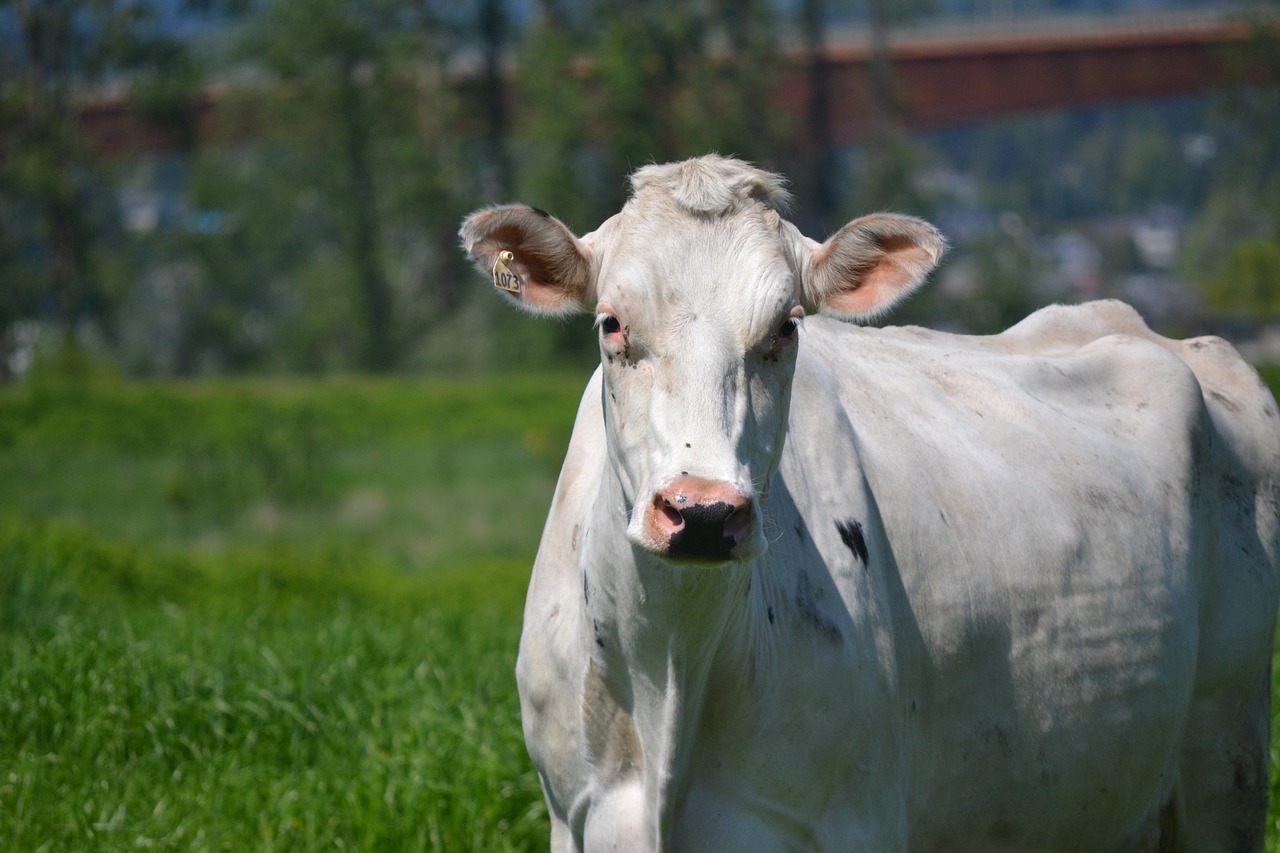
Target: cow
[816, 585]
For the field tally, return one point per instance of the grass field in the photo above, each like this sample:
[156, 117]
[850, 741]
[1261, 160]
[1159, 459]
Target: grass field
[272, 615]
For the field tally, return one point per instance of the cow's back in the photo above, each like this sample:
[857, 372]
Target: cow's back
[1082, 522]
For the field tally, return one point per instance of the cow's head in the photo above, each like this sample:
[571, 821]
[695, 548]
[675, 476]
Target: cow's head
[699, 288]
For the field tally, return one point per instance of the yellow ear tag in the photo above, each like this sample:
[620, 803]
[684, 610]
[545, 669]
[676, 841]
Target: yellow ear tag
[504, 277]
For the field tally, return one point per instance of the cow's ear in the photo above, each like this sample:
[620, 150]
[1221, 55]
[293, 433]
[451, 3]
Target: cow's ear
[531, 257]
[870, 264]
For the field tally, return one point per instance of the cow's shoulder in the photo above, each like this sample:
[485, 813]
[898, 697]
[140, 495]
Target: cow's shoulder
[1066, 328]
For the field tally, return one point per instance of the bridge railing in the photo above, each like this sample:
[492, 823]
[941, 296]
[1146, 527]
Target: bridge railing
[1017, 23]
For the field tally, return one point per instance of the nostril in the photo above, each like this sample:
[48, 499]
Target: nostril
[669, 519]
[738, 525]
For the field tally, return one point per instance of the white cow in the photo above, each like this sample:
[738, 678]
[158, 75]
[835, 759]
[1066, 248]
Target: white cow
[812, 586]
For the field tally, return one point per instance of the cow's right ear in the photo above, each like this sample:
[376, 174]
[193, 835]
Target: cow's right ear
[531, 257]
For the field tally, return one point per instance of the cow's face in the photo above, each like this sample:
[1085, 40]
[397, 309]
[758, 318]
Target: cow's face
[699, 289]
[698, 327]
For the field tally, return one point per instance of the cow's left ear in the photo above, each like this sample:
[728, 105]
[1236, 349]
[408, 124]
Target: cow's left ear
[531, 256]
[869, 265]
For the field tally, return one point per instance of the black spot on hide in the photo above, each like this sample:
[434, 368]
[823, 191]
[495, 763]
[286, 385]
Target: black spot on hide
[541, 212]
[851, 535]
[595, 628]
[769, 610]
[586, 589]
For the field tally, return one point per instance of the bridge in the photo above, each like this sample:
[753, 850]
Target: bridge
[956, 73]
[943, 74]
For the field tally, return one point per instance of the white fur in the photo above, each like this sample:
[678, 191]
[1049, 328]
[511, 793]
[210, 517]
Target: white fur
[1009, 593]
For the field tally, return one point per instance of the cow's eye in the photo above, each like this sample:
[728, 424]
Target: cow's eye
[612, 333]
[787, 332]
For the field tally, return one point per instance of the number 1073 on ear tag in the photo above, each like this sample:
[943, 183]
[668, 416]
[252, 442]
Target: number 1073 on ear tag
[504, 276]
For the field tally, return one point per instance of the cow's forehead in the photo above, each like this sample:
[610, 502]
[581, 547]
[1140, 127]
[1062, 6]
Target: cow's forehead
[733, 267]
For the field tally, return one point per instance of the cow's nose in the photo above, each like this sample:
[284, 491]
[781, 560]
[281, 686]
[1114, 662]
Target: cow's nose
[703, 520]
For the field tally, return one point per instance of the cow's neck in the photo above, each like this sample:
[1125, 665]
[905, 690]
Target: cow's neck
[659, 635]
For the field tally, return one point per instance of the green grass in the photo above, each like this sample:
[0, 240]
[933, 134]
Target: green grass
[275, 615]
[423, 472]
[270, 615]
[257, 702]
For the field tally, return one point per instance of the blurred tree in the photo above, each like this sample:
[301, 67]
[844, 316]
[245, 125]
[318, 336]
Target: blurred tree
[729, 93]
[1005, 269]
[228, 323]
[18, 293]
[552, 121]
[1248, 279]
[605, 89]
[345, 94]
[676, 78]
[1232, 244]
[985, 287]
[58, 53]
[1150, 168]
[821, 187]
[558, 168]
[884, 180]
[493, 26]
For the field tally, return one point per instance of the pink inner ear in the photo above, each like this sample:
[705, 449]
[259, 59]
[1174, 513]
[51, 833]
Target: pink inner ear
[542, 294]
[893, 273]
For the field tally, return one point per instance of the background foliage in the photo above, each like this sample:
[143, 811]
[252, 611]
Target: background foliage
[314, 228]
